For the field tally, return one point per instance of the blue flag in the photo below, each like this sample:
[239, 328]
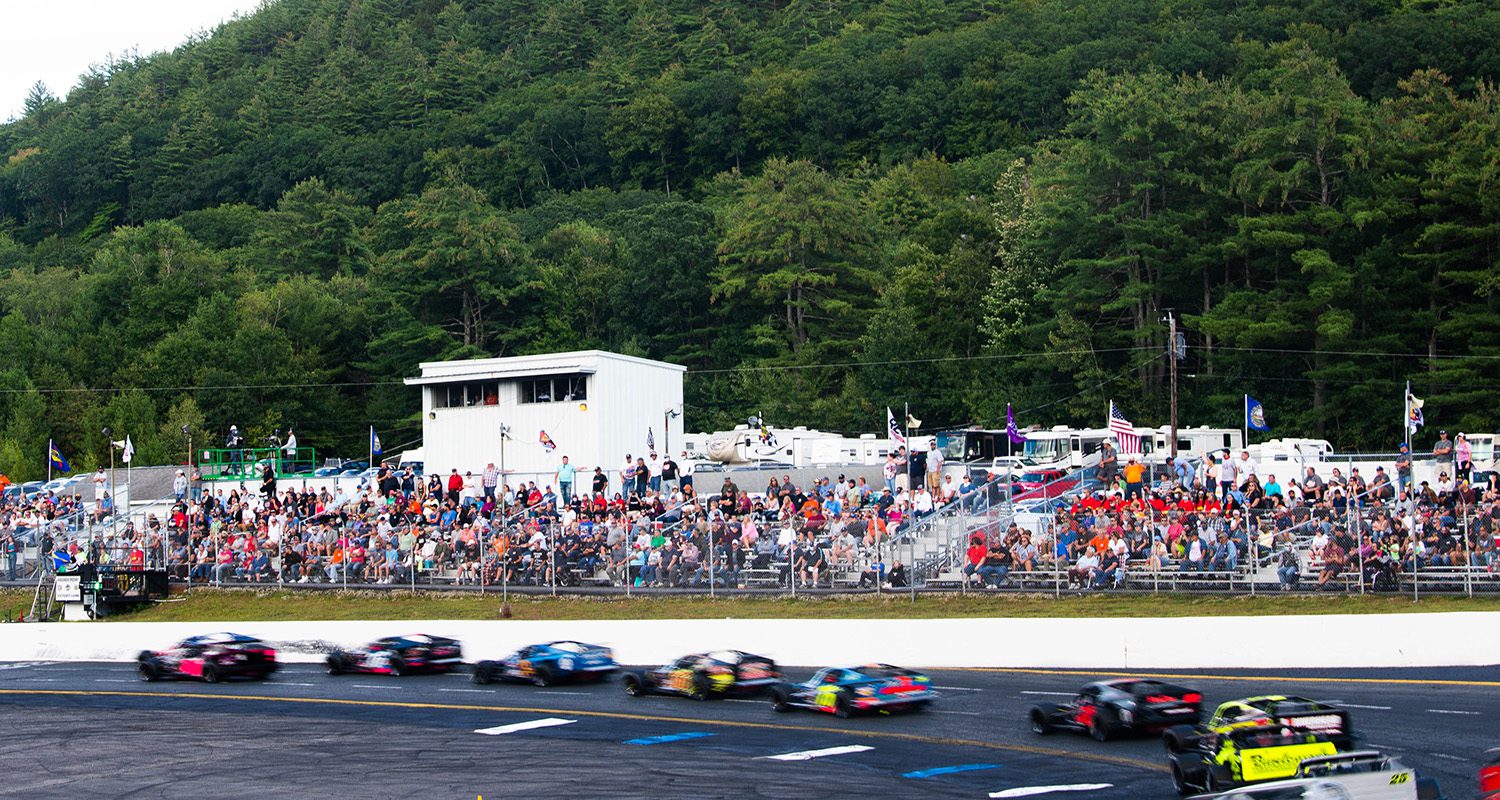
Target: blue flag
[1255, 415]
[55, 456]
[374, 442]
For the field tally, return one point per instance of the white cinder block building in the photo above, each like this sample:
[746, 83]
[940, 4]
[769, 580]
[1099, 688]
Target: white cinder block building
[594, 406]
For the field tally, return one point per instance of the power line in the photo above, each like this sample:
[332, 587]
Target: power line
[898, 362]
[1369, 353]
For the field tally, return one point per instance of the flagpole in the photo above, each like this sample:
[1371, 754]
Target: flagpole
[1245, 442]
[50, 448]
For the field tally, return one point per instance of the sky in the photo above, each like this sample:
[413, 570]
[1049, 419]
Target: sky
[55, 41]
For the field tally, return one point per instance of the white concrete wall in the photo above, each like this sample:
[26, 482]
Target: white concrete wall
[1400, 640]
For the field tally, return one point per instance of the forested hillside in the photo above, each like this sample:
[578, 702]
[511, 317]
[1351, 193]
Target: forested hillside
[821, 208]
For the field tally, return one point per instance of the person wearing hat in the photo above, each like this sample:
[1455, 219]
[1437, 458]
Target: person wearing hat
[1403, 468]
[180, 485]
[1442, 451]
[685, 472]
[1463, 458]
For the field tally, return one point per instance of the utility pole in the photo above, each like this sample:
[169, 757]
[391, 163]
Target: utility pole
[1174, 353]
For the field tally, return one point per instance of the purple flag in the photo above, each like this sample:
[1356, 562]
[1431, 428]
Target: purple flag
[1010, 426]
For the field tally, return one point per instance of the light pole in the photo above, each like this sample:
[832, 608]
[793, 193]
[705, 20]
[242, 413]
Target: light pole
[109, 487]
[666, 430]
[504, 434]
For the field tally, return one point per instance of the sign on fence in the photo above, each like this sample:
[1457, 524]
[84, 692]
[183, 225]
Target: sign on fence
[68, 589]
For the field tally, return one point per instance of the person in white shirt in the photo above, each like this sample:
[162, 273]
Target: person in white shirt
[922, 503]
[1245, 469]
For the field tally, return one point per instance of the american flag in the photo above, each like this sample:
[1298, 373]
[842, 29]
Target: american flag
[1123, 430]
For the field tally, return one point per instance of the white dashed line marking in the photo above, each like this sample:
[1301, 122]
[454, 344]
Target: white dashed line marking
[372, 686]
[1447, 711]
[549, 691]
[548, 722]
[960, 713]
[288, 683]
[957, 689]
[477, 691]
[808, 755]
[1357, 705]
[1447, 756]
[1051, 694]
[1028, 791]
[111, 680]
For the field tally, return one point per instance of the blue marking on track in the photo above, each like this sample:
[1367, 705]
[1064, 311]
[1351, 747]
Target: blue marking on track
[936, 771]
[671, 737]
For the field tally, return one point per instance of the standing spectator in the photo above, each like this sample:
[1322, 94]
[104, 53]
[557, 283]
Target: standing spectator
[565, 473]
[601, 482]
[180, 485]
[1135, 473]
[627, 476]
[1109, 463]
[455, 486]
[934, 468]
[1442, 452]
[654, 471]
[685, 471]
[642, 477]
[1403, 469]
[1463, 459]
[490, 479]
[669, 474]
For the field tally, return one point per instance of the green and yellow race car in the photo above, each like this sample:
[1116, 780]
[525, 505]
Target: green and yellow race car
[1255, 739]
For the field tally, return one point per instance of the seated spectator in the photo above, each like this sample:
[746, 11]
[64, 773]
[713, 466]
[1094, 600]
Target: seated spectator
[996, 566]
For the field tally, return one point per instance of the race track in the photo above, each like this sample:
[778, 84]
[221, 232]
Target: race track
[93, 730]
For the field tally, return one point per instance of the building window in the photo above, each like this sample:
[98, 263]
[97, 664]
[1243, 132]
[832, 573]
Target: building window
[555, 389]
[460, 395]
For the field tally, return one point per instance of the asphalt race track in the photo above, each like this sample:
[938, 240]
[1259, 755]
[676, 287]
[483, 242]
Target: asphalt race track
[94, 730]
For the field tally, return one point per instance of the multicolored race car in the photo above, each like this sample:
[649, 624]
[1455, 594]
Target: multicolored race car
[704, 675]
[1241, 756]
[844, 691]
[549, 663]
[210, 658]
[399, 655]
[1106, 709]
[1267, 711]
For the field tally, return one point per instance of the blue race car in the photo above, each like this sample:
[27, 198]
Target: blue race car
[553, 662]
[844, 691]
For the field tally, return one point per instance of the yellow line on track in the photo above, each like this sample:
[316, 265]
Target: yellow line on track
[1190, 676]
[910, 737]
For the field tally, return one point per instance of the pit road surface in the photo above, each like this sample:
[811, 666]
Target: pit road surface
[94, 730]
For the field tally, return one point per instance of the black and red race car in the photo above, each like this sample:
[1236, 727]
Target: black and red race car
[210, 658]
[1106, 709]
[399, 655]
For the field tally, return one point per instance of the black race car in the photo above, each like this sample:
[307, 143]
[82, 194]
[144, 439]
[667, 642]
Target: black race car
[209, 658]
[399, 655]
[844, 691]
[1106, 709]
[704, 675]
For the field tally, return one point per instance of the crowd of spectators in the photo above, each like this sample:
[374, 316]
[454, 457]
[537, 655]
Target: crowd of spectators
[649, 524]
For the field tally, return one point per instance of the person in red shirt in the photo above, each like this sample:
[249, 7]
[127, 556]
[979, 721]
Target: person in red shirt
[455, 486]
[975, 557]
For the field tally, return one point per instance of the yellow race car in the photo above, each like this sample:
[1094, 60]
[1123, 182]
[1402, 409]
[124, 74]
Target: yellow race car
[705, 675]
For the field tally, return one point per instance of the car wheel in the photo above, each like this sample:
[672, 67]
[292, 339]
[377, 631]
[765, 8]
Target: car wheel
[210, 674]
[481, 673]
[779, 702]
[335, 665]
[148, 671]
[1179, 781]
[398, 668]
[1099, 728]
[1039, 724]
[633, 685]
[542, 677]
[841, 707]
[700, 689]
